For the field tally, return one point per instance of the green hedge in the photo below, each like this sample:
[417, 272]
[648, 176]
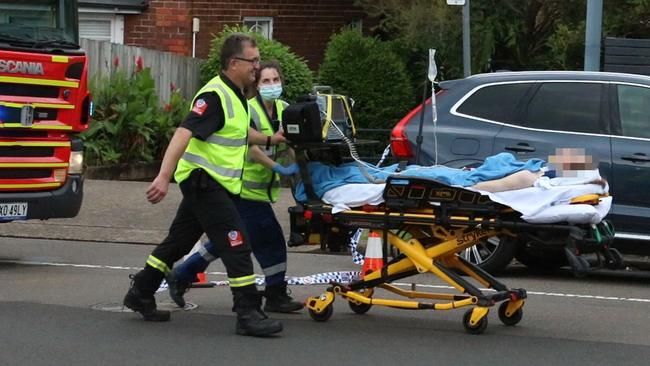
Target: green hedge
[297, 76]
[129, 124]
[367, 70]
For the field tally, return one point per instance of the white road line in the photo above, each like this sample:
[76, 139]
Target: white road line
[552, 294]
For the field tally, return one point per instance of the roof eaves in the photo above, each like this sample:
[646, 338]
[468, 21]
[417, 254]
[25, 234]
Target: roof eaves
[139, 5]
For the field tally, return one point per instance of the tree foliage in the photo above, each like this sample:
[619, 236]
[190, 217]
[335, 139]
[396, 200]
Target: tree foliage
[367, 70]
[298, 78]
[505, 34]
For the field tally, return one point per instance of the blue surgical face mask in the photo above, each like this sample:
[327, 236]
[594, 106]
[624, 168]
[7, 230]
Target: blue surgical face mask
[271, 92]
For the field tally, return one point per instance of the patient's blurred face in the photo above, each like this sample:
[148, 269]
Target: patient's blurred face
[567, 162]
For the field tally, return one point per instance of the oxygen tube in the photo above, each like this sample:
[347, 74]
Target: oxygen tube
[364, 166]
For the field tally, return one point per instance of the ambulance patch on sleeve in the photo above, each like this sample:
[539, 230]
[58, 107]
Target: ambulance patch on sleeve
[199, 107]
[235, 238]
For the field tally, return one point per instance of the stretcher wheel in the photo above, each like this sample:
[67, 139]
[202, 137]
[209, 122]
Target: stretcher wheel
[510, 320]
[478, 328]
[324, 315]
[359, 308]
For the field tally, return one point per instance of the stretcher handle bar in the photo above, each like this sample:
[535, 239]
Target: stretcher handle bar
[526, 225]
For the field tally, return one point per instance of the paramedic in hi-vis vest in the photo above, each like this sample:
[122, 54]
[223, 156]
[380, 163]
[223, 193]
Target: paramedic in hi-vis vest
[206, 156]
[261, 186]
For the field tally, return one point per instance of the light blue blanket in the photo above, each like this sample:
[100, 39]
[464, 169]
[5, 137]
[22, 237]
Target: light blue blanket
[326, 177]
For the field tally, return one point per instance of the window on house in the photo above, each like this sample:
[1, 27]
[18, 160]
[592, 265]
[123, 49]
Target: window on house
[102, 26]
[356, 24]
[263, 25]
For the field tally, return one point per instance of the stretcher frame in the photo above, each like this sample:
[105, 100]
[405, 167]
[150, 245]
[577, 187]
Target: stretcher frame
[442, 221]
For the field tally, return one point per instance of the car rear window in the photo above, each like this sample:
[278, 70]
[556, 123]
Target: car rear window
[495, 102]
[566, 107]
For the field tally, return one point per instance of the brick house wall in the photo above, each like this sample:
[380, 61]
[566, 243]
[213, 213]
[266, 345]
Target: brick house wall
[304, 26]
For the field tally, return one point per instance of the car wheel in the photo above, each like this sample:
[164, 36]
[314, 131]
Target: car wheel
[492, 254]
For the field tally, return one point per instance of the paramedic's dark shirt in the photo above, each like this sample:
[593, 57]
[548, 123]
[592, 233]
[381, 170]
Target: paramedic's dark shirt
[212, 118]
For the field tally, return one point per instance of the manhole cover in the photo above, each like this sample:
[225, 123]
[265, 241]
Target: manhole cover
[117, 307]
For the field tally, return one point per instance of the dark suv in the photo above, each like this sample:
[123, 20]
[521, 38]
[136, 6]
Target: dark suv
[530, 114]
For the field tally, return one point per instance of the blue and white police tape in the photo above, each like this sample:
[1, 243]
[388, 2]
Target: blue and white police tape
[314, 279]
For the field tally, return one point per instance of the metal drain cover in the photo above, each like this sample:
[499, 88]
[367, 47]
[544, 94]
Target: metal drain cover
[118, 307]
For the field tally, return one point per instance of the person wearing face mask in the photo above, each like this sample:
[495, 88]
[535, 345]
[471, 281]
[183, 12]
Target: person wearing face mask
[261, 187]
[207, 156]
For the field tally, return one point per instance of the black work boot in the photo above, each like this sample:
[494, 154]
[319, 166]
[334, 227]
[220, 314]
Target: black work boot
[279, 301]
[144, 304]
[177, 288]
[251, 320]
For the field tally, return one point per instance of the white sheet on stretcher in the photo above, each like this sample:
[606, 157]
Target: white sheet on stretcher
[543, 203]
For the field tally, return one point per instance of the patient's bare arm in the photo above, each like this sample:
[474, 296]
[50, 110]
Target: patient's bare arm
[518, 180]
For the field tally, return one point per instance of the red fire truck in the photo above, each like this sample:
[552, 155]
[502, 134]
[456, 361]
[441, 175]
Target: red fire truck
[44, 105]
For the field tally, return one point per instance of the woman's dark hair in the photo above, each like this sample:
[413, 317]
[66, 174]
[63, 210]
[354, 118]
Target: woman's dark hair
[233, 46]
[269, 65]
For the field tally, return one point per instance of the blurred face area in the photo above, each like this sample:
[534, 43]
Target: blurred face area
[568, 161]
[245, 65]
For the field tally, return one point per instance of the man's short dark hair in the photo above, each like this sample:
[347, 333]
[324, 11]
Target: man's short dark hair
[234, 46]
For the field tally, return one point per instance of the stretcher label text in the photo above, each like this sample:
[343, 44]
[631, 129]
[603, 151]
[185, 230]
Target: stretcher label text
[472, 236]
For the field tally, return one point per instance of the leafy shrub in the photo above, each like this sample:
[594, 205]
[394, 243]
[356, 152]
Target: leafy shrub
[367, 70]
[128, 124]
[297, 76]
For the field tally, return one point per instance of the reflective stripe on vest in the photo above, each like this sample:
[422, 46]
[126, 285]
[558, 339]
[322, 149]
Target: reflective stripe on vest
[199, 160]
[260, 183]
[255, 116]
[223, 153]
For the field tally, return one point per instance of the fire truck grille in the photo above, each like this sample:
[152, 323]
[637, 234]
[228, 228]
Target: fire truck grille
[25, 173]
[45, 114]
[25, 90]
[22, 133]
[25, 151]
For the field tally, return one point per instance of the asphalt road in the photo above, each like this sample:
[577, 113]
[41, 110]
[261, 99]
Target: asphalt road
[48, 291]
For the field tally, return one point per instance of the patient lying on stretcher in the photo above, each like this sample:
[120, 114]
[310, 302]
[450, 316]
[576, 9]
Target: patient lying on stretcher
[541, 192]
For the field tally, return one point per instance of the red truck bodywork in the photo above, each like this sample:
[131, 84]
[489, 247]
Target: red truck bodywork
[40, 167]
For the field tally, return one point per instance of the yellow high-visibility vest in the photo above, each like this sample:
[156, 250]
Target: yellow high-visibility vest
[259, 182]
[221, 155]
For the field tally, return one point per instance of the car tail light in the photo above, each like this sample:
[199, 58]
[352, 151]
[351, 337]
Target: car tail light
[399, 142]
